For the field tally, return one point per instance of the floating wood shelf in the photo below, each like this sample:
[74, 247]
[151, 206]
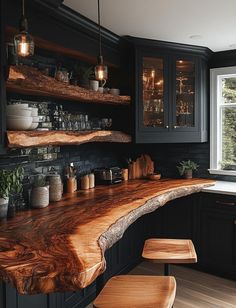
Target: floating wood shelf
[23, 139]
[30, 81]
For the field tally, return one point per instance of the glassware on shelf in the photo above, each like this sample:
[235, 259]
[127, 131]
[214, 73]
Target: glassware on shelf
[153, 92]
[185, 90]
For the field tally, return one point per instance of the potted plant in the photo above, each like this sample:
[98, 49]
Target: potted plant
[10, 184]
[186, 168]
[16, 199]
[83, 74]
[5, 186]
[39, 197]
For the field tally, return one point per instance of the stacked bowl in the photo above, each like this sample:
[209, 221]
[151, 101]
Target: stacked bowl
[22, 117]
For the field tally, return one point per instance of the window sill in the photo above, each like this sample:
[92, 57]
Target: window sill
[222, 172]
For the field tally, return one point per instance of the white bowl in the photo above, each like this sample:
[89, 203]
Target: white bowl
[35, 119]
[34, 111]
[21, 105]
[17, 110]
[34, 125]
[18, 122]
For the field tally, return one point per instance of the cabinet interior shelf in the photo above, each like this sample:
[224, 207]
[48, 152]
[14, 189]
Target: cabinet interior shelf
[23, 139]
[30, 81]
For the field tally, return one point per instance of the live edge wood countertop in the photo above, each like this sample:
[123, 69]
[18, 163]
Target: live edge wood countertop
[61, 247]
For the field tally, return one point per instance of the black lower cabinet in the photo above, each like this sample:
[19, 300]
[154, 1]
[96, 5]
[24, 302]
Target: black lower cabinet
[218, 235]
[177, 218]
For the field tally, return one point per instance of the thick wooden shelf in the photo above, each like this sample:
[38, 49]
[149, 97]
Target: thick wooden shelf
[30, 81]
[22, 139]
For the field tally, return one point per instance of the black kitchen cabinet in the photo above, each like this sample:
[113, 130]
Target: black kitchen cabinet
[218, 234]
[170, 91]
[177, 218]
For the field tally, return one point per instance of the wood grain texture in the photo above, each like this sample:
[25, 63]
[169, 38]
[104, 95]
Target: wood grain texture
[195, 289]
[30, 81]
[169, 251]
[61, 247]
[137, 291]
[21, 139]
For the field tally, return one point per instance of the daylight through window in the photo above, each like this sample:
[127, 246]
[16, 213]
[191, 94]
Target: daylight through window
[223, 121]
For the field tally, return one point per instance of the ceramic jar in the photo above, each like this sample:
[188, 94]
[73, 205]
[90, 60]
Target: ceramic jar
[39, 197]
[55, 187]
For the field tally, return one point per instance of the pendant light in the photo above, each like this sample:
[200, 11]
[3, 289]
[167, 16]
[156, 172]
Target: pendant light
[101, 71]
[24, 43]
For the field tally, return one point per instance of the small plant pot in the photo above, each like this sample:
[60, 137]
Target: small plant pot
[3, 207]
[39, 197]
[188, 174]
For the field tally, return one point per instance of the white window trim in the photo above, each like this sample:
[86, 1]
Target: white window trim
[215, 117]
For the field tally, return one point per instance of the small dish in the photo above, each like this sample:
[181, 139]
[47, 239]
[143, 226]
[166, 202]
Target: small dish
[154, 176]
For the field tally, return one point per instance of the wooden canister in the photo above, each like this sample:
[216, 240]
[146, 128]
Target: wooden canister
[125, 174]
[71, 184]
[85, 182]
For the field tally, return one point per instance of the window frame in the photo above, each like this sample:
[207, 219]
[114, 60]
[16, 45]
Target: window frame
[216, 119]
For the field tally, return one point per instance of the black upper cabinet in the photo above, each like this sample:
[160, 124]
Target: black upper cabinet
[170, 91]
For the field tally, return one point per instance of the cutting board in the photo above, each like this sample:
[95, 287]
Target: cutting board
[141, 167]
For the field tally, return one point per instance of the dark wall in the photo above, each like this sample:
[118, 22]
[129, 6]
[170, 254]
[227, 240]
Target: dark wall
[223, 59]
[63, 26]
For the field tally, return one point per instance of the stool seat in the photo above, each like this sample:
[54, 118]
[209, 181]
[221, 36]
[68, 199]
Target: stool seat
[169, 251]
[135, 291]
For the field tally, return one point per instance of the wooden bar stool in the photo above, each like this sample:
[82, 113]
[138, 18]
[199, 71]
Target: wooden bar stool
[135, 291]
[169, 251]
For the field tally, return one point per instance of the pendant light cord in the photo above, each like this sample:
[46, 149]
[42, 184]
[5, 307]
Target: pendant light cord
[99, 29]
[23, 7]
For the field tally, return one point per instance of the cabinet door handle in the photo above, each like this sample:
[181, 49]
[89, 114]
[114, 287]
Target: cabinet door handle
[225, 203]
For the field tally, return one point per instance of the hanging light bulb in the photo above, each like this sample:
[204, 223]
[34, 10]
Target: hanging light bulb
[101, 71]
[24, 43]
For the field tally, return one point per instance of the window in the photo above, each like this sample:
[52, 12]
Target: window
[223, 121]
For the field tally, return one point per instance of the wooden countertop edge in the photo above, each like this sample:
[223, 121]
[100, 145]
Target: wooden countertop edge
[108, 238]
[149, 206]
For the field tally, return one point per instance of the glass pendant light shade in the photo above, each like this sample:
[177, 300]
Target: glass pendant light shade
[24, 44]
[101, 71]
[23, 41]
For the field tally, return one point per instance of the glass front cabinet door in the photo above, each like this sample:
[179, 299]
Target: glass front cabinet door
[170, 97]
[154, 92]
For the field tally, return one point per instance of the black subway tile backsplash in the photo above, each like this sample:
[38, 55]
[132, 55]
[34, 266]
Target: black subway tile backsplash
[89, 156]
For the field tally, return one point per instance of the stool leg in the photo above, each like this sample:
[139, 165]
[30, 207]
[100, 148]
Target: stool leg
[166, 269]
[167, 272]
